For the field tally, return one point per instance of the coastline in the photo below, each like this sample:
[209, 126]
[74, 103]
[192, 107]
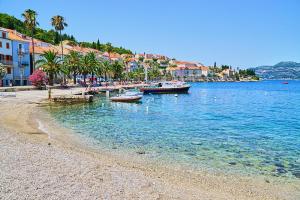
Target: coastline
[58, 164]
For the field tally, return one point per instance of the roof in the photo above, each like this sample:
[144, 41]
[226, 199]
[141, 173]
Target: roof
[202, 68]
[14, 35]
[42, 49]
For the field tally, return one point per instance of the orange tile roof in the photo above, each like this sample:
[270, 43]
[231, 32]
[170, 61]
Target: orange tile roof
[202, 68]
[42, 49]
[14, 35]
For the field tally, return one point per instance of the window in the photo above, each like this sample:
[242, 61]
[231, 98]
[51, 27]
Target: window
[0, 44]
[3, 35]
[7, 45]
[8, 58]
[8, 70]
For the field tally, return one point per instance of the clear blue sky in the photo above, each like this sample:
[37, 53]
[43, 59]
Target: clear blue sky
[241, 33]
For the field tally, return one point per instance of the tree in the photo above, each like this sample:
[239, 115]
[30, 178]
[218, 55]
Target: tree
[117, 69]
[73, 63]
[109, 48]
[58, 22]
[31, 23]
[84, 69]
[105, 66]
[225, 67]
[98, 45]
[2, 73]
[38, 78]
[93, 63]
[50, 63]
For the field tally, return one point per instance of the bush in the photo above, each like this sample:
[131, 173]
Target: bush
[38, 78]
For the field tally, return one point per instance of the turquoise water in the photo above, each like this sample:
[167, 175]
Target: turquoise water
[233, 127]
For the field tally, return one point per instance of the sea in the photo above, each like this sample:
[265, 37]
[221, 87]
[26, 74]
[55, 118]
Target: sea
[232, 127]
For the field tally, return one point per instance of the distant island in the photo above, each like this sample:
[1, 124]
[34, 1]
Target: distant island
[282, 70]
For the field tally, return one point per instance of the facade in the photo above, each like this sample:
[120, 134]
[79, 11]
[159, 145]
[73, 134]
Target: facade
[187, 71]
[6, 57]
[21, 62]
[132, 65]
[15, 55]
[227, 73]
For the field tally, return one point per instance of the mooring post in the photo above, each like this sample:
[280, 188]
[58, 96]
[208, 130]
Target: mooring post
[83, 93]
[107, 93]
[49, 92]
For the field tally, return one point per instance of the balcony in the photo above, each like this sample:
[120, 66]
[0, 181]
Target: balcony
[6, 62]
[22, 52]
[24, 63]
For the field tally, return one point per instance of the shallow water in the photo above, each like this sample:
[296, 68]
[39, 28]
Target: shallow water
[233, 127]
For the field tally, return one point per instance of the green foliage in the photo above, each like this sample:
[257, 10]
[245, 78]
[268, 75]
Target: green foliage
[247, 72]
[50, 63]
[72, 64]
[10, 22]
[105, 47]
[51, 36]
[138, 74]
[223, 67]
[58, 22]
[105, 68]
[117, 69]
[2, 71]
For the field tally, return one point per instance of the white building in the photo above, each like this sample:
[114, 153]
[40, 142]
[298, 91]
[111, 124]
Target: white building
[6, 57]
[188, 71]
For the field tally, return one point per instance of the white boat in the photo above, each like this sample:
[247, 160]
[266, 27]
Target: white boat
[128, 96]
[167, 87]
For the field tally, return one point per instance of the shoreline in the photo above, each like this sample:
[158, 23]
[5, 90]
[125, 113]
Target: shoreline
[120, 177]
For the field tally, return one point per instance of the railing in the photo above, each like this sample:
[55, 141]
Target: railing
[19, 77]
[25, 63]
[6, 62]
[23, 51]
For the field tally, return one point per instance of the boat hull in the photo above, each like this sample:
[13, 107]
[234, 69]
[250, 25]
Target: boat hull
[184, 89]
[126, 99]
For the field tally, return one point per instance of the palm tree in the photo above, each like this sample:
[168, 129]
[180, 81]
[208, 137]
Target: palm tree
[106, 66]
[30, 23]
[50, 63]
[58, 22]
[84, 68]
[73, 63]
[117, 69]
[109, 48]
[93, 63]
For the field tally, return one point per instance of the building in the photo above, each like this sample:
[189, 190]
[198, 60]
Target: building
[187, 71]
[21, 58]
[6, 57]
[132, 65]
[227, 73]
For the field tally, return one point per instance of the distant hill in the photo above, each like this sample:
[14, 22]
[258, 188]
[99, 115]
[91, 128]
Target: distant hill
[51, 36]
[282, 70]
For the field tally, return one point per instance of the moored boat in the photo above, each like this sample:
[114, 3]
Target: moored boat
[128, 97]
[167, 87]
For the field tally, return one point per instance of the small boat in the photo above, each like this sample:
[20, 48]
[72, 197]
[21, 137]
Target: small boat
[285, 82]
[166, 87]
[128, 97]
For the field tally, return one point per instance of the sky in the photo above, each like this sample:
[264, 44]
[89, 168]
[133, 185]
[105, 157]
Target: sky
[240, 33]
